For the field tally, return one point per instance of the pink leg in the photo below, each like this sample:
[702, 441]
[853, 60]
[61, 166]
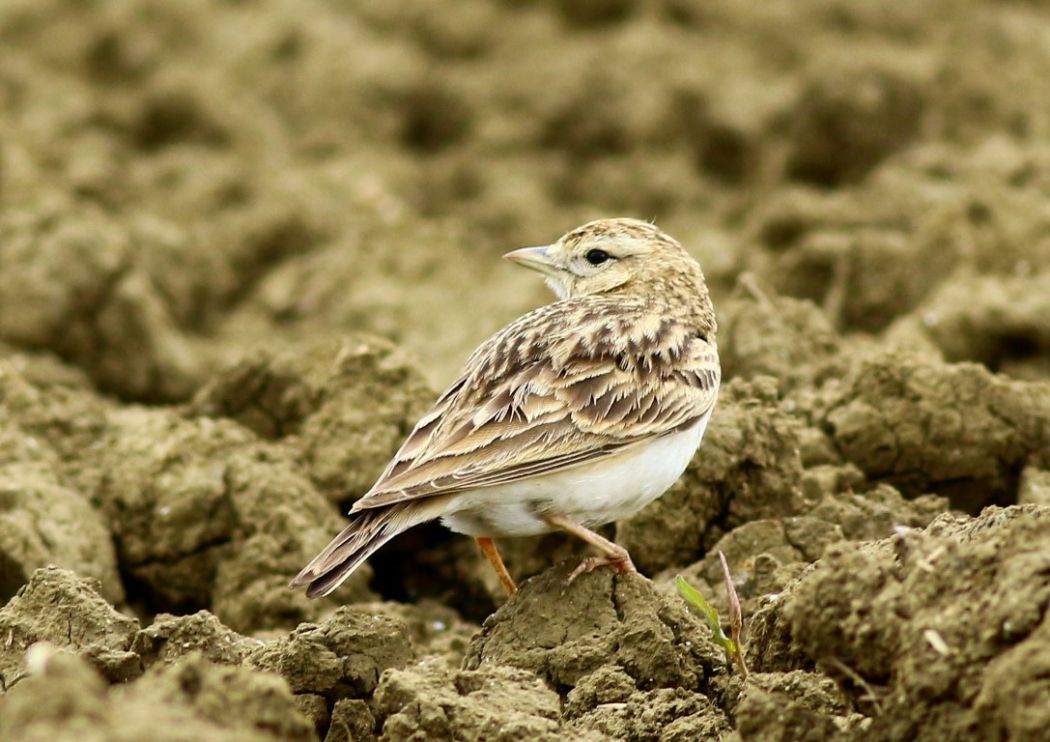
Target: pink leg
[611, 554]
[488, 548]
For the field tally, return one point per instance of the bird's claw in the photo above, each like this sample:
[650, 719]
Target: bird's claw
[621, 564]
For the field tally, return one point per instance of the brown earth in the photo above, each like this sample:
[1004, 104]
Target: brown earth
[243, 243]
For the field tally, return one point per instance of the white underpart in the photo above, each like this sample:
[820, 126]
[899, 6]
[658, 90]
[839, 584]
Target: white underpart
[611, 489]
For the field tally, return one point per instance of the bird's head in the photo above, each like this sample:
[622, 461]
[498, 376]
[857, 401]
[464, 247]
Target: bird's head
[606, 256]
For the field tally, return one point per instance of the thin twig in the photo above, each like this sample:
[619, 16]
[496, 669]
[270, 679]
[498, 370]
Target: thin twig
[736, 616]
[856, 678]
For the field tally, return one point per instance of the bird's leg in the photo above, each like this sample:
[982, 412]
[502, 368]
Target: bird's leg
[611, 553]
[488, 548]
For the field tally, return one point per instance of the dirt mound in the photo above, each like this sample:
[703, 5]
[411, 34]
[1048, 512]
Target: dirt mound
[920, 652]
[191, 700]
[957, 430]
[434, 701]
[61, 609]
[565, 632]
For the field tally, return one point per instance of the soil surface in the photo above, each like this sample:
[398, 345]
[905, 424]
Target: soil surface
[244, 243]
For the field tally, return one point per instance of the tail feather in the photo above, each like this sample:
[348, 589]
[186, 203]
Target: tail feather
[365, 534]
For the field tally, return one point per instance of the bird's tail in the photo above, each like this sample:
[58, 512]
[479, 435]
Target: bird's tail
[368, 530]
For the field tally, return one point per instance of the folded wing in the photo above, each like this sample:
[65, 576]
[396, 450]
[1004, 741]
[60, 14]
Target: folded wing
[561, 387]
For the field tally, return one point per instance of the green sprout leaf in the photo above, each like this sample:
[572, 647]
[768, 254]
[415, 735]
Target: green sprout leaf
[694, 598]
[732, 646]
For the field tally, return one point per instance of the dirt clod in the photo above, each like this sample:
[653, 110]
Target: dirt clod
[42, 523]
[564, 632]
[190, 700]
[913, 651]
[169, 638]
[342, 657]
[794, 705]
[201, 516]
[956, 430]
[67, 611]
[433, 701]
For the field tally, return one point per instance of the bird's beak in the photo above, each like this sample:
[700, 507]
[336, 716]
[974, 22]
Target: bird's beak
[538, 258]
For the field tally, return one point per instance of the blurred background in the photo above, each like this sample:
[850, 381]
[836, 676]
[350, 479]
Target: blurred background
[180, 182]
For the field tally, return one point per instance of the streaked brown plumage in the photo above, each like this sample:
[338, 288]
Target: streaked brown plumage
[557, 401]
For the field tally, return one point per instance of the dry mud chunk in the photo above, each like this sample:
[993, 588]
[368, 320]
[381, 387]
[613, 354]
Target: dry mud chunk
[1014, 702]
[1034, 488]
[45, 514]
[190, 701]
[588, 120]
[955, 430]
[42, 705]
[50, 424]
[269, 392]
[849, 253]
[796, 705]
[758, 554]
[43, 523]
[938, 218]
[765, 555]
[660, 715]
[748, 467]
[206, 516]
[764, 334]
[1000, 321]
[918, 620]
[106, 316]
[430, 700]
[726, 142]
[850, 117]
[874, 514]
[565, 631]
[58, 607]
[170, 638]
[341, 657]
[39, 296]
[374, 397]
[315, 709]
[433, 627]
[608, 684]
[595, 12]
[228, 698]
[865, 277]
[358, 284]
[145, 356]
[350, 405]
[352, 721]
[464, 31]
[435, 115]
[251, 590]
[44, 369]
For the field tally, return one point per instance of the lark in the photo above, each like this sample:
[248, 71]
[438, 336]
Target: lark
[578, 414]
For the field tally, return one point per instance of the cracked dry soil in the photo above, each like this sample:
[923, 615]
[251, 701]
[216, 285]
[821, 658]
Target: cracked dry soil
[243, 244]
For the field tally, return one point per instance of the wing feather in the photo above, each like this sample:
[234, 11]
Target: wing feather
[560, 387]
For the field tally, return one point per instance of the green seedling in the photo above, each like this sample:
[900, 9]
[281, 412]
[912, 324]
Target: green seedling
[732, 644]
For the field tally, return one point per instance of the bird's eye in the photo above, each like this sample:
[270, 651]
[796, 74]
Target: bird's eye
[597, 257]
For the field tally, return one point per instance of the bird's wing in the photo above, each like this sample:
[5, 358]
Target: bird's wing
[564, 385]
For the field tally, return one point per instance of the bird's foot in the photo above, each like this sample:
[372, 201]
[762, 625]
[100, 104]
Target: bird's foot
[620, 562]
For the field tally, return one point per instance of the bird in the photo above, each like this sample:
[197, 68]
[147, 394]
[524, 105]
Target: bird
[577, 414]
